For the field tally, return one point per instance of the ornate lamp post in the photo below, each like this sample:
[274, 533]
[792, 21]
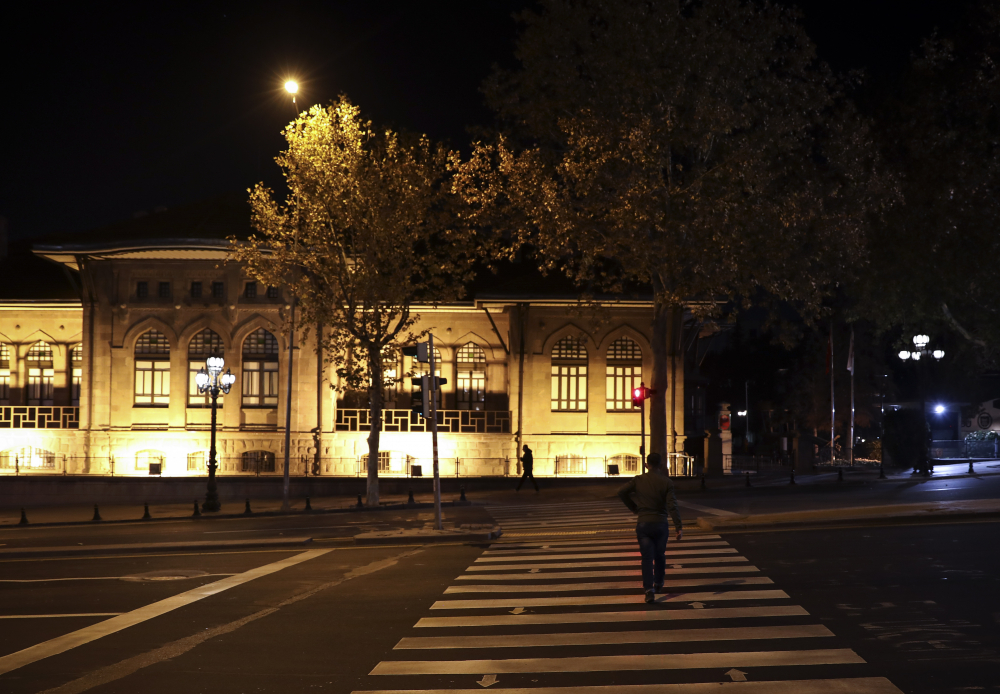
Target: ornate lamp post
[920, 343]
[211, 380]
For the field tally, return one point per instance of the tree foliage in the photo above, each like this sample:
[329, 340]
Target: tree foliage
[369, 226]
[694, 146]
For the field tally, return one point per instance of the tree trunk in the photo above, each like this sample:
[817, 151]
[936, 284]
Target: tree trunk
[375, 419]
[662, 313]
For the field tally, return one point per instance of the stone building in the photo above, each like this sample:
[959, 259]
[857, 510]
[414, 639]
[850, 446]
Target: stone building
[97, 374]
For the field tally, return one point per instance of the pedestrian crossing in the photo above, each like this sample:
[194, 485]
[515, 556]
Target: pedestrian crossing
[586, 517]
[523, 618]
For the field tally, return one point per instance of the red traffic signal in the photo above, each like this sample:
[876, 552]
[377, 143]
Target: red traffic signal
[641, 394]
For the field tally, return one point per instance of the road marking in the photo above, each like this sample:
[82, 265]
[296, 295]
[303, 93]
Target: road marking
[705, 509]
[171, 554]
[605, 555]
[66, 642]
[854, 685]
[608, 599]
[604, 617]
[620, 663]
[94, 578]
[613, 585]
[559, 575]
[594, 564]
[613, 637]
[619, 545]
[50, 616]
[586, 543]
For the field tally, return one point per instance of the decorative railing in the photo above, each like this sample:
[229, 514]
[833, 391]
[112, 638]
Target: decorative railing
[449, 421]
[39, 417]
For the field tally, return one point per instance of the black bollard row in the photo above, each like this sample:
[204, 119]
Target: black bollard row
[972, 470]
[840, 474]
[360, 505]
[308, 505]
[703, 487]
[145, 513]
[97, 514]
[462, 490]
[748, 479]
[881, 472]
[409, 500]
[792, 481]
[246, 509]
[24, 518]
[197, 511]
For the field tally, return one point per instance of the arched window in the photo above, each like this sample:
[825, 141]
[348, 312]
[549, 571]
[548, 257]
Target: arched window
[569, 375]
[76, 373]
[40, 374]
[260, 370]
[4, 374]
[150, 461]
[27, 458]
[624, 373]
[257, 462]
[471, 377]
[152, 370]
[626, 462]
[197, 461]
[205, 344]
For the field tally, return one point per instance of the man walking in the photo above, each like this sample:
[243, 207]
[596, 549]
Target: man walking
[654, 501]
[528, 462]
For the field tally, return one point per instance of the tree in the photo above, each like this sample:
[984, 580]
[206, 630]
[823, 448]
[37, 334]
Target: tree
[936, 255]
[696, 147]
[369, 227]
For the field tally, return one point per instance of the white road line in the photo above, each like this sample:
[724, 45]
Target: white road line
[560, 575]
[618, 545]
[66, 642]
[706, 509]
[50, 616]
[611, 585]
[604, 555]
[584, 542]
[853, 685]
[619, 663]
[601, 638]
[605, 617]
[95, 578]
[569, 523]
[593, 564]
[712, 596]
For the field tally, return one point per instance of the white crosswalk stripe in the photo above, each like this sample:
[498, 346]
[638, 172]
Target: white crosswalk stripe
[539, 609]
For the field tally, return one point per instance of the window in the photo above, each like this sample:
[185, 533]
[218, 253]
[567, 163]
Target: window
[626, 463]
[76, 373]
[569, 375]
[198, 461]
[164, 290]
[205, 344]
[389, 462]
[260, 370]
[471, 377]
[218, 290]
[571, 465]
[196, 290]
[250, 290]
[4, 374]
[624, 373]
[272, 293]
[390, 374]
[40, 374]
[141, 290]
[152, 370]
[28, 457]
[143, 459]
[257, 462]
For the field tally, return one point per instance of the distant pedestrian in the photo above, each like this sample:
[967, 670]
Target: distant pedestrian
[528, 463]
[655, 503]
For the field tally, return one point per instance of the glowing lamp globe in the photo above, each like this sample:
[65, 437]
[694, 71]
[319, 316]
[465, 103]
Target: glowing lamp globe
[292, 87]
[904, 355]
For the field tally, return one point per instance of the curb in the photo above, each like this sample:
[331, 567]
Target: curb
[425, 537]
[86, 550]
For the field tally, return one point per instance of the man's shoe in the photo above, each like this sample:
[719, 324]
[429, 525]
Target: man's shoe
[658, 588]
[650, 596]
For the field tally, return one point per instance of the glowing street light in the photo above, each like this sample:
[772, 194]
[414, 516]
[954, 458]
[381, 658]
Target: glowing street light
[211, 380]
[939, 409]
[292, 87]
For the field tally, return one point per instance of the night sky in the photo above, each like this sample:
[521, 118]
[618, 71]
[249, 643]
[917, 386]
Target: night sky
[110, 112]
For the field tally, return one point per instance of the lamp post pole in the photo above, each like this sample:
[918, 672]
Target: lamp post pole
[920, 343]
[211, 380]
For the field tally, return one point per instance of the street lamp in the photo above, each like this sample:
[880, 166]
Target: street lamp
[292, 87]
[211, 380]
[920, 343]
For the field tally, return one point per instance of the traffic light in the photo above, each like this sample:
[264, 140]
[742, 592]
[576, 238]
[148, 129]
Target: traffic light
[421, 403]
[419, 351]
[641, 394]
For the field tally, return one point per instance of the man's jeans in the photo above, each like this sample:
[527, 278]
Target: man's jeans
[652, 544]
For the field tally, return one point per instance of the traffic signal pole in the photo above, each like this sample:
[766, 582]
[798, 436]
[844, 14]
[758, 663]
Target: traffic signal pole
[433, 388]
[642, 435]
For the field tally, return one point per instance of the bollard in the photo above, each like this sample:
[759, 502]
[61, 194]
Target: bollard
[703, 487]
[462, 491]
[793, 478]
[308, 505]
[881, 472]
[145, 513]
[246, 509]
[748, 479]
[410, 500]
[360, 505]
[24, 518]
[197, 511]
[971, 469]
[840, 474]
[97, 514]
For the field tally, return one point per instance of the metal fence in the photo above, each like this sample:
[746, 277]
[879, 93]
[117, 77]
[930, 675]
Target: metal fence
[753, 463]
